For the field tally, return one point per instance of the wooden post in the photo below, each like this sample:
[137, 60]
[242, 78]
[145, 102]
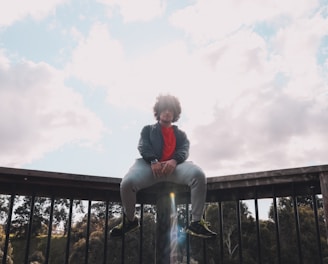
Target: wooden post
[324, 191]
[166, 232]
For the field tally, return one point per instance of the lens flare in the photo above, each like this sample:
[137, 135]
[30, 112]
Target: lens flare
[174, 229]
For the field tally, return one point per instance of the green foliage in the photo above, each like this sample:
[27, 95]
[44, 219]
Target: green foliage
[41, 215]
[230, 235]
[38, 249]
[211, 248]
[37, 257]
[4, 207]
[20, 223]
[114, 246]
[250, 244]
[2, 245]
[288, 230]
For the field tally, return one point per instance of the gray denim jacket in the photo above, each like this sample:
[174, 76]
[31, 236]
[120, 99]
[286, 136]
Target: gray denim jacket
[151, 143]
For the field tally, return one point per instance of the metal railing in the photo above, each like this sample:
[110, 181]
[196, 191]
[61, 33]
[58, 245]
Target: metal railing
[295, 183]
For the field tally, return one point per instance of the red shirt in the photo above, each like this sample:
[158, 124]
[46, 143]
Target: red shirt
[169, 143]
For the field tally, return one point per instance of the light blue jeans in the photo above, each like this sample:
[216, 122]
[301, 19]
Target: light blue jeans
[140, 176]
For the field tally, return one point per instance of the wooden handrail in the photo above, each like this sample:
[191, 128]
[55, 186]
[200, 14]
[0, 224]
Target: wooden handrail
[249, 185]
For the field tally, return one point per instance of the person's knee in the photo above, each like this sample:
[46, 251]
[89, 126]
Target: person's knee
[127, 184]
[198, 176]
[202, 176]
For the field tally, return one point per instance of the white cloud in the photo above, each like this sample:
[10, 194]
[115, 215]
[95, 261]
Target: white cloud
[211, 20]
[16, 10]
[4, 61]
[262, 121]
[39, 114]
[101, 61]
[268, 124]
[98, 59]
[297, 46]
[250, 102]
[134, 11]
[274, 131]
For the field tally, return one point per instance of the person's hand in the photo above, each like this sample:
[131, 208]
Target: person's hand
[165, 168]
[157, 169]
[168, 167]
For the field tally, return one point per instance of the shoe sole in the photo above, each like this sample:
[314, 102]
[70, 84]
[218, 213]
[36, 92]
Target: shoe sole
[188, 231]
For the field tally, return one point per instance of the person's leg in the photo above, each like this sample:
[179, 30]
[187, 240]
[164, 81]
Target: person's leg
[193, 176]
[138, 177]
[190, 174]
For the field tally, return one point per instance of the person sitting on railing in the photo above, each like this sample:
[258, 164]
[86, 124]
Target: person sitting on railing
[164, 149]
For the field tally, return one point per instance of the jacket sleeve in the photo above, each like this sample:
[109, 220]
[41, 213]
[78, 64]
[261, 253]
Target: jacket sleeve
[182, 148]
[145, 147]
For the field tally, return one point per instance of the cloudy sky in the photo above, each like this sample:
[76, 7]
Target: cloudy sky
[78, 80]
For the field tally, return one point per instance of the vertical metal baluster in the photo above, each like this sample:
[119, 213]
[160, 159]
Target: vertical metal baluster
[205, 251]
[204, 242]
[106, 232]
[29, 233]
[258, 236]
[141, 233]
[276, 220]
[68, 242]
[50, 230]
[297, 226]
[315, 212]
[123, 238]
[187, 235]
[221, 232]
[240, 246]
[87, 238]
[10, 212]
